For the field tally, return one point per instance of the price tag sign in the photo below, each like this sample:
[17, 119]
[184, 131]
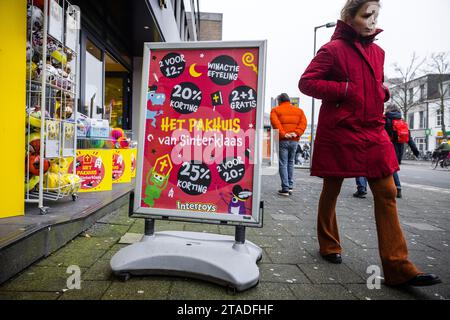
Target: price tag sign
[201, 132]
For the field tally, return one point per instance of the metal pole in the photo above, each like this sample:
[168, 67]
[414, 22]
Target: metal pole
[149, 227]
[239, 236]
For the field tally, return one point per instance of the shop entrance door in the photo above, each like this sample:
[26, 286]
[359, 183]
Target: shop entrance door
[117, 94]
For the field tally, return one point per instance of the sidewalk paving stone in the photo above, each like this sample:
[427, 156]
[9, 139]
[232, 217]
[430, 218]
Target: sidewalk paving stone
[267, 291]
[139, 288]
[90, 290]
[100, 271]
[330, 273]
[362, 292]
[79, 257]
[30, 295]
[191, 289]
[119, 217]
[106, 230]
[39, 278]
[321, 292]
[282, 273]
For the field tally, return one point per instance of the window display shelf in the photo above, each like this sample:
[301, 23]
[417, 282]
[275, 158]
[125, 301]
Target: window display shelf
[52, 62]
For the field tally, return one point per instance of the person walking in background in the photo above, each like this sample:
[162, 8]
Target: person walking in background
[399, 133]
[351, 141]
[299, 155]
[290, 122]
[361, 185]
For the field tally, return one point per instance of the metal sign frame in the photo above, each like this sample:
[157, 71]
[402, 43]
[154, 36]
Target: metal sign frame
[253, 220]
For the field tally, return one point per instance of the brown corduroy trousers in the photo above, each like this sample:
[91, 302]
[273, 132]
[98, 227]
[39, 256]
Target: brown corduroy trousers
[391, 242]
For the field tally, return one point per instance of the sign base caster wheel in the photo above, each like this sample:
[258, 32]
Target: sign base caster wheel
[43, 210]
[74, 197]
[124, 277]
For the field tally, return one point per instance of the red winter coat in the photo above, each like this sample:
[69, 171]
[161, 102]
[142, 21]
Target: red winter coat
[347, 75]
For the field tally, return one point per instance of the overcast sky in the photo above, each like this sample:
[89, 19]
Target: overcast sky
[288, 26]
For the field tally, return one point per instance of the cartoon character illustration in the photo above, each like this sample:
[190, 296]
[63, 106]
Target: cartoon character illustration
[157, 179]
[151, 115]
[237, 203]
[52, 130]
[156, 99]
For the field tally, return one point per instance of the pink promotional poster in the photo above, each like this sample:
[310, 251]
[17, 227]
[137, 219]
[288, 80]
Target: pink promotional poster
[200, 128]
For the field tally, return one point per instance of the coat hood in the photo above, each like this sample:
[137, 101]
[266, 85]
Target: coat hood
[394, 115]
[346, 32]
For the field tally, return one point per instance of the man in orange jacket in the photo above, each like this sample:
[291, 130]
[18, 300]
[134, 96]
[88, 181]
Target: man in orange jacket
[290, 121]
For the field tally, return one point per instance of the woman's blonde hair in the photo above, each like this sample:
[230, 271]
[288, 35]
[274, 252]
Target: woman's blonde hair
[351, 8]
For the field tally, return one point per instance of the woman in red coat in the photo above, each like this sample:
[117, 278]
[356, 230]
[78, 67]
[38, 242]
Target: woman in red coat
[347, 75]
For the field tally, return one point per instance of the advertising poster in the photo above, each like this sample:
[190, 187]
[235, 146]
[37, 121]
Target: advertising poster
[68, 140]
[52, 138]
[94, 167]
[133, 162]
[121, 165]
[55, 20]
[72, 27]
[202, 111]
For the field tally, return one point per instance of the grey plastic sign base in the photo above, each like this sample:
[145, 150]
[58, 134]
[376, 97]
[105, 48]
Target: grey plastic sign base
[211, 257]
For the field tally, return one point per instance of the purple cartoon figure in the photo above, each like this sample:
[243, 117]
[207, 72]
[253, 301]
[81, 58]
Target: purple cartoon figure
[238, 200]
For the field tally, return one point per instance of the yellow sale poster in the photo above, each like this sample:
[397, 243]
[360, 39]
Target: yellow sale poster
[121, 164]
[94, 167]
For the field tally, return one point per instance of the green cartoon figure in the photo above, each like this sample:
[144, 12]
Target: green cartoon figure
[157, 179]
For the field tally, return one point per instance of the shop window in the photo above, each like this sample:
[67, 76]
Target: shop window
[438, 117]
[117, 91]
[422, 92]
[93, 102]
[411, 95]
[411, 120]
[421, 120]
[421, 144]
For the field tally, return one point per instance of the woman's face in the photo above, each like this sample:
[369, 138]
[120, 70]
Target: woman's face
[365, 21]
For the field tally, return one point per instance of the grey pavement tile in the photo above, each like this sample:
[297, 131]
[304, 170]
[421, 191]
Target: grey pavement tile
[437, 292]
[100, 271]
[112, 251]
[268, 230]
[282, 273]
[103, 230]
[90, 290]
[290, 256]
[330, 273]
[90, 243]
[78, 257]
[14, 295]
[39, 278]
[298, 228]
[266, 291]
[204, 228]
[265, 257]
[384, 293]
[119, 217]
[198, 290]
[142, 288]
[321, 292]
[227, 230]
[265, 241]
[289, 218]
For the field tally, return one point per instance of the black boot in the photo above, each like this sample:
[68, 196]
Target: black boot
[333, 258]
[424, 279]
